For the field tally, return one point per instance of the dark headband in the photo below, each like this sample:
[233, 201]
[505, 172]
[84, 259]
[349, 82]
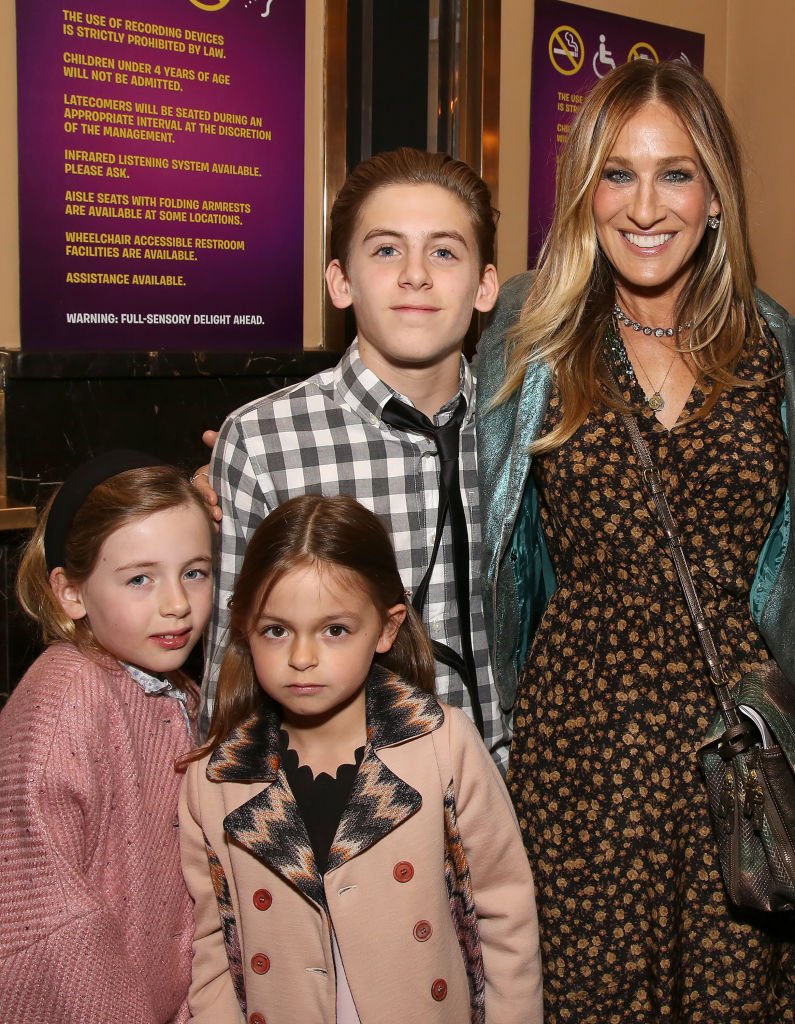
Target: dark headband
[77, 487]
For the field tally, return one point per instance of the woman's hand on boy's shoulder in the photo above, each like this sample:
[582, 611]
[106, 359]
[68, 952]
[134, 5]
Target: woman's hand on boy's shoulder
[201, 479]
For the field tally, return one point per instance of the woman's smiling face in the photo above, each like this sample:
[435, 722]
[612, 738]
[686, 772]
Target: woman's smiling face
[651, 204]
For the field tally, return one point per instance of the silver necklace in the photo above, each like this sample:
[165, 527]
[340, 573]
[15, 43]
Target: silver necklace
[658, 332]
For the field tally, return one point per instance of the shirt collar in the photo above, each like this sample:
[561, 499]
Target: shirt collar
[366, 394]
[153, 686]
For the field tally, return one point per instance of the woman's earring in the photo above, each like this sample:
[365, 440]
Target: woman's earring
[713, 221]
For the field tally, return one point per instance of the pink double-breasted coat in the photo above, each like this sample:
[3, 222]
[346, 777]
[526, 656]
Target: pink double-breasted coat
[262, 947]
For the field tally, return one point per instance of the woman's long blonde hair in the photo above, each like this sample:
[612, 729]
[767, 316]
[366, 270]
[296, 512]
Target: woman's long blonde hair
[568, 309]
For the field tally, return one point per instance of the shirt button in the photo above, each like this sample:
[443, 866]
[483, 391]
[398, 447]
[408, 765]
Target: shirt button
[403, 871]
[256, 1018]
[262, 899]
[439, 990]
[422, 931]
[260, 964]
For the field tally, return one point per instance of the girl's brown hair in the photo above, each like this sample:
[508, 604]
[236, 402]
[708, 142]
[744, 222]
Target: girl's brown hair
[116, 502]
[408, 166]
[340, 536]
[570, 301]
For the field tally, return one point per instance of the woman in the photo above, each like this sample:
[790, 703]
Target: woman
[644, 299]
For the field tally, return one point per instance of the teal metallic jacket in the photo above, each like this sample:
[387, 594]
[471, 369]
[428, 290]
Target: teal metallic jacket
[518, 578]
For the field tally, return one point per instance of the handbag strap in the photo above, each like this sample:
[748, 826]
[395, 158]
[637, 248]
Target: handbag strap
[740, 733]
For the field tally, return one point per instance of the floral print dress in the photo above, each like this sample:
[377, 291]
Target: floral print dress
[615, 699]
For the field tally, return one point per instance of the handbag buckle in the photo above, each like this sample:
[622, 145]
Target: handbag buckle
[737, 739]
[652, 479]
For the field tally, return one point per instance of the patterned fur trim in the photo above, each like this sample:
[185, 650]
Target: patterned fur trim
[228, 923]
[462, 908]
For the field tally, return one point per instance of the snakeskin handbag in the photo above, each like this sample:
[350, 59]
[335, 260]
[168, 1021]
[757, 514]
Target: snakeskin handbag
[748, 760]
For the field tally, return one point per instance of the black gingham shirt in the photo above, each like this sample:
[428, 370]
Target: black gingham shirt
[325, 436]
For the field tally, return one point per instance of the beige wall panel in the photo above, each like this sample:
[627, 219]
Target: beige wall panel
[761, 98]
[314, 169]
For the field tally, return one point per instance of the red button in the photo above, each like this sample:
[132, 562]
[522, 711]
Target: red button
[256, 1018]
[403, 871]
[422, 931]
[439, 990]
[260, 964]
[262, 899]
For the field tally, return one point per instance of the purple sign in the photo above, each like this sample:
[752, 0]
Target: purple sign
[573, 47]
[161, 154]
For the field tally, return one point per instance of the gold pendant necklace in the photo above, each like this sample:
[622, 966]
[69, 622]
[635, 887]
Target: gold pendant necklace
[619, 351]
[655, 401]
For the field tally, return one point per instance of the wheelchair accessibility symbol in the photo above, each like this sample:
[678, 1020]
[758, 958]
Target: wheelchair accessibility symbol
[566, 50]
[603, 62]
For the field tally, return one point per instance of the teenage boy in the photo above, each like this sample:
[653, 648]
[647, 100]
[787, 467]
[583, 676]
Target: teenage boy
[392, 425]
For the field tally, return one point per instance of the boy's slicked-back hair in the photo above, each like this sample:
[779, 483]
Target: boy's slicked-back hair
[116, 502]
[408, 166]
[339, 536]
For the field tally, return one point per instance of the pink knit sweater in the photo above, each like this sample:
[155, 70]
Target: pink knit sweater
[95, 921]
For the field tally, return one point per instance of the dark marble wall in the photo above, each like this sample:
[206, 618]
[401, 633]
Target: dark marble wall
[62, 408]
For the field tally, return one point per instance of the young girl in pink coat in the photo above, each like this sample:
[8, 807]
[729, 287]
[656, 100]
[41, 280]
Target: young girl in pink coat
[95, 921]
[347, 839]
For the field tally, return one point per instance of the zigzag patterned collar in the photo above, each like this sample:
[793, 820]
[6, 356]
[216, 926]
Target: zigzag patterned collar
[396, 712]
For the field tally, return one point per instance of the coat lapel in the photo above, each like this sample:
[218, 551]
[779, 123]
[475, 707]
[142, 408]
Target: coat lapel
[380, 800]
[269, 825]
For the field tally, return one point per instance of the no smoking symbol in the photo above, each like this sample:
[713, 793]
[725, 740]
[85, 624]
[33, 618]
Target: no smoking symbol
[566, 50]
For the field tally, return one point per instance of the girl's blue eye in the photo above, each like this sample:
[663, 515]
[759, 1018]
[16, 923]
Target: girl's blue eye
[386, 250]
[195, 574]
[138, 581]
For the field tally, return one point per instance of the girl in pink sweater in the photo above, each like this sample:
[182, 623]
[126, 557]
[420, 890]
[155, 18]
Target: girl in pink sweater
[95, 921]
